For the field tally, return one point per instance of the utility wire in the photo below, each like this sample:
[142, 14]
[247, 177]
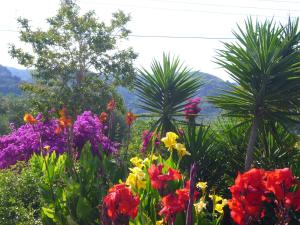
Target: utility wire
[162, 36]
[229, 6]
[188, 10]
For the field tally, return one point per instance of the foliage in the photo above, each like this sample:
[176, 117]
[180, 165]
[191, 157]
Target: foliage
[19, 196]
[12, 109]
[72, 190]
[76, 62]
[264, 64]
[163, 91]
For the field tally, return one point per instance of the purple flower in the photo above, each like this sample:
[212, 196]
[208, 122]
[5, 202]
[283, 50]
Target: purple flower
[146, 138]
[21, 143]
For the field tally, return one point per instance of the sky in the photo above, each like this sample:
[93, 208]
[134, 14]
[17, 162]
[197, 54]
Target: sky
[207, 23]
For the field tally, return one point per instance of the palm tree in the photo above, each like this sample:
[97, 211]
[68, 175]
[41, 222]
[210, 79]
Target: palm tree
[265, 63]
[164, 90]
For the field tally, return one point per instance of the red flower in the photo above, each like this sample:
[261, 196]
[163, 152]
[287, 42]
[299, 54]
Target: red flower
[120, 202]
[176, 203]
[158, 179]
[171, 207]
[111, 105]
[256, 187]
[130, 117]
[103, 117]
[279, 182]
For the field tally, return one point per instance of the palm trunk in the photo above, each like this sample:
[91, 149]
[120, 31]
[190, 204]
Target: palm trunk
[251, 143]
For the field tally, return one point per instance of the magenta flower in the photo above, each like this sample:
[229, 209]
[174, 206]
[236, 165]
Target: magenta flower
[191, 109]
[146, 138]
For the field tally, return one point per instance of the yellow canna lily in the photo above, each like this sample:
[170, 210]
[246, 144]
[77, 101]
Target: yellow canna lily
[218, 203]
[202, 186]
[200, 206]
[136, 179]
[136, 161]
[170, 140]
[181, 150]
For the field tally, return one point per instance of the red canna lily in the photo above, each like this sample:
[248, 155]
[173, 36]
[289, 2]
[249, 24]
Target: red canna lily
[158, 179]
[111, 105]
[130, 117]
[120, 202]
[103, 117]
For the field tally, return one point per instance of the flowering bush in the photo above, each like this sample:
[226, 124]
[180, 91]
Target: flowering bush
[191, 109]
[257, 188]
[164, 192]
[39, 132]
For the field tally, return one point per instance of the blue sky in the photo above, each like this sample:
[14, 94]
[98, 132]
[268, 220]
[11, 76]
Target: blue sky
[175, 18]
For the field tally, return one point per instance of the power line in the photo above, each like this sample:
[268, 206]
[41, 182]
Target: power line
[162, 36]
[231, 6]
[188, 10]
[181, 37]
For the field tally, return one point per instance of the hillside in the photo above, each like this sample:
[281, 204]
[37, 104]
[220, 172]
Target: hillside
[8, 82]
[212, 85]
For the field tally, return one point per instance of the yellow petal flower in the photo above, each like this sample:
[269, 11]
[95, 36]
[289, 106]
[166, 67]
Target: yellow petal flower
[147, 160]
[200, 206]
[170, 140]
[218, 203]
[202, 185]
[46, 147]
[160, 222]
[136, 179]
[136, 161]
[181, 150]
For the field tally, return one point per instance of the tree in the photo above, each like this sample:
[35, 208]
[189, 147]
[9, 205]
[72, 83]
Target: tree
[76, 62]
[264, 62]
[163, 91]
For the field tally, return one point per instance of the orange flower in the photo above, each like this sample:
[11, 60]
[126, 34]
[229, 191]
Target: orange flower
[130, 117]
[111, 105]
[103, 117]
[64, 121]
[28, 118]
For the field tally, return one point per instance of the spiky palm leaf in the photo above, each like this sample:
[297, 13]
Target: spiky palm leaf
[164, 90]
[265, 63]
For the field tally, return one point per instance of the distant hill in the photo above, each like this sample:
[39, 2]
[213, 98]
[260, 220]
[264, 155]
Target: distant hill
[9, 83]
[11, 77]
[24, 75]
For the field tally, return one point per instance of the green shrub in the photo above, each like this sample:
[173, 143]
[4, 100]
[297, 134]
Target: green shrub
[19, 196]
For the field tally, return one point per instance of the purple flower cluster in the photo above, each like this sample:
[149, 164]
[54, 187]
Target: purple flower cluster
[146, 138]
[21, 143]
[88, 127]
[191, 109]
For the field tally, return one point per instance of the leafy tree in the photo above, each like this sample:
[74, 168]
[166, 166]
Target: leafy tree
[264, 62]
[164, 90]
[76, 62]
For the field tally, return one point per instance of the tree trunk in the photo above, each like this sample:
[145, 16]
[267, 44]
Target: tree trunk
[251, 143]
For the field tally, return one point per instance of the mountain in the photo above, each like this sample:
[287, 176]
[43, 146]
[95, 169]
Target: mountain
[11, 77]
[9, 83]
[24, 75]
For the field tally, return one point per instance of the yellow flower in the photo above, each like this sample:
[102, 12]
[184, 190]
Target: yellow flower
[147, 160]
[218, 203]
[202, 185]
[170, 140]
[160, 222]
[46, 147]
[200, 206]
[181, 150]
[136, 179]
[136, 161]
